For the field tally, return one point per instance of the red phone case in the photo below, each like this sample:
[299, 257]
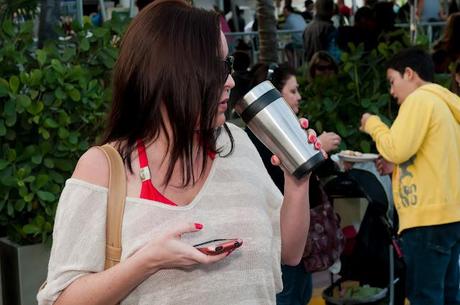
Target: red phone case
[219, 246]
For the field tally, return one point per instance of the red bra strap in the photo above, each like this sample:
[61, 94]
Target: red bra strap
[143, 161]
[148, 190]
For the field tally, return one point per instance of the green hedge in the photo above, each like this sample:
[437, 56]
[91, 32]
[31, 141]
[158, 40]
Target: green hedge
[52, 104]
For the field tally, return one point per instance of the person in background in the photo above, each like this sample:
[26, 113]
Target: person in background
[429, 10]
[308, 13]
[242, 78]
[323, 65]
[447, 49]
[320, 34]
[363, 31]
[294, 22]
[422, 151]
[191, 177]
[240, 23]
[297, 282]
[403, 14]
[385, 19]
[338, 20]
[344, 10]
[453, 7]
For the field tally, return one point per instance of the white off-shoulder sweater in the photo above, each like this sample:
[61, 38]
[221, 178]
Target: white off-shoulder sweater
[238, 200]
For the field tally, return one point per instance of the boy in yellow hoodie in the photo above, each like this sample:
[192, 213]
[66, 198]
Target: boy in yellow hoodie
[422, 150]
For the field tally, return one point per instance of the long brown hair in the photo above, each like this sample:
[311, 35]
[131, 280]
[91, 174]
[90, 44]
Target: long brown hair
[452, 34]
[170, 58]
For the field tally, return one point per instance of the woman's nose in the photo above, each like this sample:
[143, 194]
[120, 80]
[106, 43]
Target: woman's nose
[230, 82]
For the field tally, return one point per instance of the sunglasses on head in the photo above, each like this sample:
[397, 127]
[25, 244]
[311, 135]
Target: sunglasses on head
[228, 66]
[324, 67]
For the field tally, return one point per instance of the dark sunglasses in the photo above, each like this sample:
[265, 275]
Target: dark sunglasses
[228, 66]
[324, 68]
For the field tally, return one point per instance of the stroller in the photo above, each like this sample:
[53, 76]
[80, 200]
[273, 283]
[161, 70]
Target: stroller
[375, 258]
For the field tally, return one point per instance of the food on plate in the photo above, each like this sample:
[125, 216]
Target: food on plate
[351, 153]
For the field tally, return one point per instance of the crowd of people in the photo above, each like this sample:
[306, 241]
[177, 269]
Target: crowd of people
[326, 25]
[192, 176]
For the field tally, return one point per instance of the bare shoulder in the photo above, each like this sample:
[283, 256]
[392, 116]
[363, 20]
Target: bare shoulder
[93, 168]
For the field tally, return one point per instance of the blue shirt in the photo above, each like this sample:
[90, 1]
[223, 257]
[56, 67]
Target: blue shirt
[297, 23]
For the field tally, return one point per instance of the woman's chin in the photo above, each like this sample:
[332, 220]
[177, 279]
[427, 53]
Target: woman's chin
[220, 120]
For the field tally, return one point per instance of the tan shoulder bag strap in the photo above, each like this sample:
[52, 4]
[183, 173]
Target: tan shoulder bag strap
[115, 205]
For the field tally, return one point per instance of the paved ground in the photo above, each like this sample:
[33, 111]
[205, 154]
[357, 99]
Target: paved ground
[321, 280]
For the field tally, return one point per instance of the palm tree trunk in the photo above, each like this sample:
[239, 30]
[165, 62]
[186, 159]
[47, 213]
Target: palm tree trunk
[49, 18]
[267, 31]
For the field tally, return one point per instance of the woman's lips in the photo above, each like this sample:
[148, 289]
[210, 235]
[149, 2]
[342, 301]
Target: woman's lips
[223, 105]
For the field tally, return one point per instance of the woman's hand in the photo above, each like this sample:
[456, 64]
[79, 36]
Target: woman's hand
[384, 167]
[168, 251]
[330, 141]
[312, 138]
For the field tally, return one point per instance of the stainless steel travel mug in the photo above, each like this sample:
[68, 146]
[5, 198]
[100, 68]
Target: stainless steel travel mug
[274, 123]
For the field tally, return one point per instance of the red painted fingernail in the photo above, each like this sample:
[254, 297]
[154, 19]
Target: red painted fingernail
[198, 226]
[318, 145]
[304, 123]
[311, 138]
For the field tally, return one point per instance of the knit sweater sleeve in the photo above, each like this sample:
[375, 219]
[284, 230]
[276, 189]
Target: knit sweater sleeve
[400, 142]
[78, 238]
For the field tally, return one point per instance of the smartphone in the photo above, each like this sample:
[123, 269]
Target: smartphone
[218, 246]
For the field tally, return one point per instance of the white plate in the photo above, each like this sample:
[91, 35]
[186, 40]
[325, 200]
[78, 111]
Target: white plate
[361, 158]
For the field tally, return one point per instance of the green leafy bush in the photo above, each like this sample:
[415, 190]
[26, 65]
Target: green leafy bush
[52, 104]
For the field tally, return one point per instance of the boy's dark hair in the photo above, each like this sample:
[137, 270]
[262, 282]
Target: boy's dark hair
[415, 58]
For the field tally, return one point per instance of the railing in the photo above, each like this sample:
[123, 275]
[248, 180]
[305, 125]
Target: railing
[432, 30]
[104, 13]
[252, 41]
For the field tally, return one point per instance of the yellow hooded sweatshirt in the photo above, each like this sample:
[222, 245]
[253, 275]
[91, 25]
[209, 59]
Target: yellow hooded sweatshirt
[424, 143]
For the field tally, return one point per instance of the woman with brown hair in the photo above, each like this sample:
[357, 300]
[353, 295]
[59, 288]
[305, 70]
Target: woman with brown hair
[190, 176]
[447, 49]
[322, 64]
